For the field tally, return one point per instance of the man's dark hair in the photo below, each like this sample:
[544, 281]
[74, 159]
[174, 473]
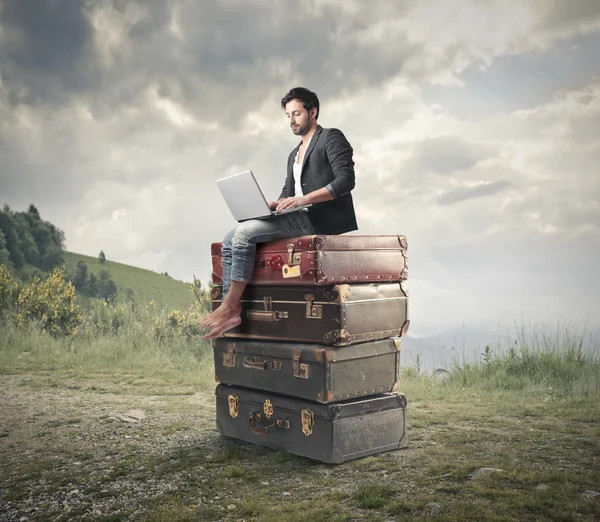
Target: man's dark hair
[308, 98]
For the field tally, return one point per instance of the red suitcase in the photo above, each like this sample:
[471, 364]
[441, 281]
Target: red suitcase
[325, 260]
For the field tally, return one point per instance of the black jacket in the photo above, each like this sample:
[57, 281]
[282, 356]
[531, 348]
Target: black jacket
[327, 163]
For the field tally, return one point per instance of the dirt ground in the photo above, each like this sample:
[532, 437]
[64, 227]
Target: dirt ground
[83, 449]
[69, 453]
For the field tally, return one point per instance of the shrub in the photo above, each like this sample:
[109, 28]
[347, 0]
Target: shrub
[8, 288]
[50, 303]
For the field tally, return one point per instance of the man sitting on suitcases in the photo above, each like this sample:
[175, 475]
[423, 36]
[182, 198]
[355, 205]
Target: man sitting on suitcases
[320, 172]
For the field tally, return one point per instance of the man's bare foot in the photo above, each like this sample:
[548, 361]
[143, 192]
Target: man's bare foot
[220, 315]
[219, 329]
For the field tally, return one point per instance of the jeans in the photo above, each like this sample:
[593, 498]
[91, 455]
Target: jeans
[239, 246]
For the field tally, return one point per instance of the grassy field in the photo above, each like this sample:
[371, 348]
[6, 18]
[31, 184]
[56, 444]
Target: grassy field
[122, 427]
[167, 293]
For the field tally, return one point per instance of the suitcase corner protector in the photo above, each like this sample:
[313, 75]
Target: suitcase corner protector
[405, 327]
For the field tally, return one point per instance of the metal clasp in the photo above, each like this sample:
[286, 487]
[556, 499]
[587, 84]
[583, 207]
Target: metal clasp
[229, 357]
[293, 259]
[308, 420]
[268, 409]
[313, 311]
[234, 405]
[301, 371]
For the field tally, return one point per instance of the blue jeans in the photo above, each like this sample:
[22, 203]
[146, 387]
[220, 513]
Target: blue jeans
[239, 246]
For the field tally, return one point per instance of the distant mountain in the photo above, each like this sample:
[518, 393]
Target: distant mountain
[456, 345]
[463, 344]
[166, 292]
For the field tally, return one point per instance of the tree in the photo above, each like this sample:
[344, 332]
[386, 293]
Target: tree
[58, 236]
[107, 288]
[80, 276]
[130, 294]
[4, 254]
[92, 287]
[51, 258]
[8, 226]
[101, 256]
[43, 236]
[29, 248]
[34, 212]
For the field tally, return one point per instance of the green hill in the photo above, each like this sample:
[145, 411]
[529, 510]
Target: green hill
[166, 292]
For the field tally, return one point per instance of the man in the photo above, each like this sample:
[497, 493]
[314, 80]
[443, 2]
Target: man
[320, 172]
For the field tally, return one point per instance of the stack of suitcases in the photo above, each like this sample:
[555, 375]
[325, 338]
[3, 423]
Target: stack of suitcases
[313, 368]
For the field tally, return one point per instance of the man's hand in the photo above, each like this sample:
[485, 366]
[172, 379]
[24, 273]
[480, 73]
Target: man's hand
[285, 203]
[272, 205]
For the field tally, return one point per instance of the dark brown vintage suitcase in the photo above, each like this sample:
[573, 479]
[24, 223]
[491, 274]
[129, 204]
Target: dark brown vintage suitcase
[309, 371]
[336, 315]
[331, 433]
[325, 260]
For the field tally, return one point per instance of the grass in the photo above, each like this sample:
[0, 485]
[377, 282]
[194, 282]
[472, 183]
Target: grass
[166, 292]
[531, 413]
[140, 351]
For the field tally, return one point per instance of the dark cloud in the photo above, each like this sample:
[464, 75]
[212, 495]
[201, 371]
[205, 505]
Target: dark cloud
[222, 60]
[448, 154]
[479, 191]
[46, 49]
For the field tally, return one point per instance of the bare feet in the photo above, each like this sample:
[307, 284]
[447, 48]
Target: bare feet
[219, 329]
[220, 315]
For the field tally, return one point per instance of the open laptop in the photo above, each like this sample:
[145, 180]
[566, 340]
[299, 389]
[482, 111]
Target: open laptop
[245, 199]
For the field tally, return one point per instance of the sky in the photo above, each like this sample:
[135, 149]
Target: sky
[475, 127]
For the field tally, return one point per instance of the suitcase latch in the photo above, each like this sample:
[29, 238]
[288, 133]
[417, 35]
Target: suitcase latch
[312, 311]
[308, 420]
[293, 259]
[268, 409]
[234, 405]
[292, 268]
[229, 357]
[301, 371]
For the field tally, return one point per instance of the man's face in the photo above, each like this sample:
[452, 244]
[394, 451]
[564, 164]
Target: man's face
[299, 118]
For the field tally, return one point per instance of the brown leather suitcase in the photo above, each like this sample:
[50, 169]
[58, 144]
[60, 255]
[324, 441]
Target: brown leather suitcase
[309, 371]
[337, 315]
[325, 260]
[331, 433]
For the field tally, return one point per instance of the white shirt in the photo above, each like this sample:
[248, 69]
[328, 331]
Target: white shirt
[298, 171]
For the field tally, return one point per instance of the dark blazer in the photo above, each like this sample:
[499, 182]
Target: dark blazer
[327, 163]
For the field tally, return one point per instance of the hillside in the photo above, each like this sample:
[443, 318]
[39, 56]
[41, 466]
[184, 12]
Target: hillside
[167, 293]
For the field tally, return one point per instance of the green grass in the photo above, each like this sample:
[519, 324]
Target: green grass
[132, 357]
[166, 292]
[531, 412]
[372, 496]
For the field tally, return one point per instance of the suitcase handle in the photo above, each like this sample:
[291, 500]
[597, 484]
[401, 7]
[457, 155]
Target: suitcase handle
[265, 315]
[279, 424]
[267, 364]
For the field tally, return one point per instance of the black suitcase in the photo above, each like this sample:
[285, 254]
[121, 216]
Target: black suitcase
[336, 315]
[331, 433]
[309, 371]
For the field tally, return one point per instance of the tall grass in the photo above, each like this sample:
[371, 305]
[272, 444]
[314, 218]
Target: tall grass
[559, 362]
[115, 340]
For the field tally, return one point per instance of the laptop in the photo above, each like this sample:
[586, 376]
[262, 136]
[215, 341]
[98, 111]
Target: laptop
[246, 200]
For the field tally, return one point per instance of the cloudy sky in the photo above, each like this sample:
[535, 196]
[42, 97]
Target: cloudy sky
[475, 126]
